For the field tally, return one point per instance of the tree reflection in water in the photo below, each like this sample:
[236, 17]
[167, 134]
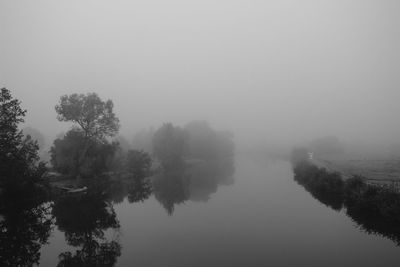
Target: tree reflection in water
[197, 181]
[139, 190]
[84, 219]
[89, 220]
[374, 209]
[24, 229]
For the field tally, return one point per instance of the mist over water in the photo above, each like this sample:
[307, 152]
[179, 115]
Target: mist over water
[199, 133]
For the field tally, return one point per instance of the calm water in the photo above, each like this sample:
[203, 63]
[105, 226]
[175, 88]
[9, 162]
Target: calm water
[263, 218]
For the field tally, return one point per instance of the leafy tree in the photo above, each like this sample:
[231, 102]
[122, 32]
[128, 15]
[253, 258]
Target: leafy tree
[214, 147]
[94, 116]
[18, 154]
[138, 163]
[35, 135]
[65, 154]
[169, 144]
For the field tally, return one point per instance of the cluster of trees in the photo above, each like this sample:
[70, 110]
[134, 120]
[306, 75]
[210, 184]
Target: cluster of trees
[86, 149]
[325, 186]
[196, 159]
[196, 141]
[376, 209]
[20, 168]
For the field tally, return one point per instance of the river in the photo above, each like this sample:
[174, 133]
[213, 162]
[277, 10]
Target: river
[261, 217]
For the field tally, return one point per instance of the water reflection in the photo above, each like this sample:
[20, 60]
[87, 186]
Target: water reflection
[374, 209]
[139, 190]
[24, 228]
[84, 219]
[88, 219]
[195, 181]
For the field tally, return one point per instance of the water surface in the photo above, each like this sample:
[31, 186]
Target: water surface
[261, 218]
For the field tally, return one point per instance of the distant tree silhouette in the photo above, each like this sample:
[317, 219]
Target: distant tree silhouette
[142, 140]
[215, 147]
[138, 163]
[169, 144]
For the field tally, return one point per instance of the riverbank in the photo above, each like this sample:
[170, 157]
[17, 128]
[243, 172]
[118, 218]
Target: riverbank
[375, 208]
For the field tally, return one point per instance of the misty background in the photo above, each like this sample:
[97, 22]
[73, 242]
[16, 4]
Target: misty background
[272, 72]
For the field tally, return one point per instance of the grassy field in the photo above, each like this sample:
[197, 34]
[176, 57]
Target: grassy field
[370, 168]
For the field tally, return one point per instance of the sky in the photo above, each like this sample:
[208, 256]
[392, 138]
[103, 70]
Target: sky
[269, 71]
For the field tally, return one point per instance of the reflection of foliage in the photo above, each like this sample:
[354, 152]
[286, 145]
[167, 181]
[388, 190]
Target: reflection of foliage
[171, 187]
[375, 209]
[139, 190]
[195, 160]
[22, 233]
[326, 187]
[195, 182]
[79, 215]
[92, 254]
[84, 219]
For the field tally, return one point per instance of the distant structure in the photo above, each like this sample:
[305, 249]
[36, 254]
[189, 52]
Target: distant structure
[310, 155]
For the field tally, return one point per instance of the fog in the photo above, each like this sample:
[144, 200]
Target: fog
[272, 72]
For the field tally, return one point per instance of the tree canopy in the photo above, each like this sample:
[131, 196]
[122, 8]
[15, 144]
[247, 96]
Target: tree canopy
[169, 144]
[93, 115]
[18, 154]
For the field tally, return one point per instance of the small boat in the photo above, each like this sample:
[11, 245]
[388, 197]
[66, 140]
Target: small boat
[73, 190]
[78, 190]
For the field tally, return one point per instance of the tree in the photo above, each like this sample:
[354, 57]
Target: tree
[95, 117]
[169, 144]
[138, 163]
[35, 135]
[65, 154]
[18, 154]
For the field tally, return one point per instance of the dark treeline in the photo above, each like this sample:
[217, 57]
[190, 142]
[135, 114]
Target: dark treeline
[376, 209]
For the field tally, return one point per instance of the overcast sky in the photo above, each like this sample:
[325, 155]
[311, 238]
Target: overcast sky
[267, 70]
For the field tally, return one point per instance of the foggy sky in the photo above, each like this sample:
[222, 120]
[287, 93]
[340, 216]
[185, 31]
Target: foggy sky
[267, 70]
